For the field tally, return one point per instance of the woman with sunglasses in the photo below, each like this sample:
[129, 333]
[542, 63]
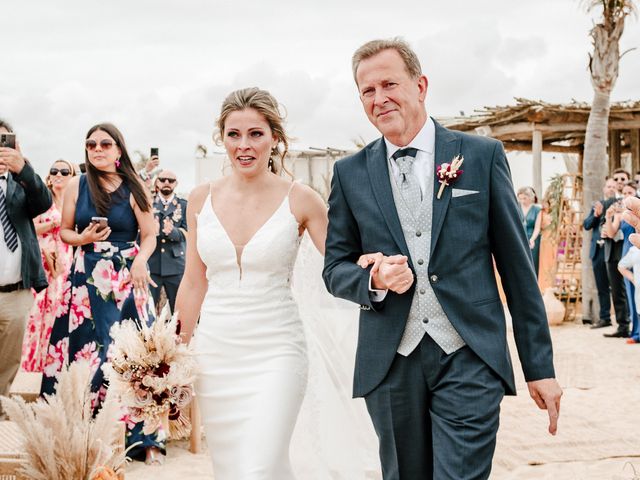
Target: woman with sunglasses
[57, 257]
[109, 279]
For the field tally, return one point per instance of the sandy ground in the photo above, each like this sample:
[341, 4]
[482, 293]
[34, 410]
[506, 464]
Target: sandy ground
[598, 435]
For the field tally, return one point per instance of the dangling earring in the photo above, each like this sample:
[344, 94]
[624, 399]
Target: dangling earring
[270, 163]
[118, 162]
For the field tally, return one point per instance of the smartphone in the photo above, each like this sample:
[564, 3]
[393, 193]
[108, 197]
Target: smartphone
[101, 221]
[154, 152]
[8, 140]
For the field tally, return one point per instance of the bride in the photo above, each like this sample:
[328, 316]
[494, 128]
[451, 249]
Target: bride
[244, 231]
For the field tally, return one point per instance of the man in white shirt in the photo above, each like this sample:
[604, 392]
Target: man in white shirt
[23, 196]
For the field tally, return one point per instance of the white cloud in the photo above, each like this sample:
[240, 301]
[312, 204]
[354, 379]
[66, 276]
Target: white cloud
[160, 70]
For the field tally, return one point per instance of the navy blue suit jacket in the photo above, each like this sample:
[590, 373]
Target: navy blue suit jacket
[169, 256]
[593, 223]
[467, 233]
[27, 197]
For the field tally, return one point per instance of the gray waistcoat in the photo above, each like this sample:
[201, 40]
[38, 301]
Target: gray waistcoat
[426, 314]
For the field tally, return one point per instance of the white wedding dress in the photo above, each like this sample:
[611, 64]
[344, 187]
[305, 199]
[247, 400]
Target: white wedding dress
[252, 354]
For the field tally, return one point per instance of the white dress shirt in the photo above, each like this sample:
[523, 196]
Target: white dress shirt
[423, 168]
[10, 262]
[166, 201]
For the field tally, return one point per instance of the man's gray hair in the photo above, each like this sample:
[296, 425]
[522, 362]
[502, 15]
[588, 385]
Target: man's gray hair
[374, 47]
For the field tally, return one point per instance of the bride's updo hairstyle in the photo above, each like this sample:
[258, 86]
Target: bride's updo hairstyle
[266, 105]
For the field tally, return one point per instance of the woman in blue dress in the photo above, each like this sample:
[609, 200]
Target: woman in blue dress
[531, 221]
[109, 279]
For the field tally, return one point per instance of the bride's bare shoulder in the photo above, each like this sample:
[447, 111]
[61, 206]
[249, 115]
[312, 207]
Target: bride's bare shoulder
[197, 196]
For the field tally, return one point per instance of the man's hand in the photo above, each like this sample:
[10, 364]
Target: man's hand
[388, 273]
[632, 217]
[167, 226]
[12, 159]
[152, 164]
[597, 209]
[546, 393]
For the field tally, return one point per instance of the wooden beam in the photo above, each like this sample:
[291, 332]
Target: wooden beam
[546, 147]
[525, 127]
[537, 160]
[635, 150]
[614, 150]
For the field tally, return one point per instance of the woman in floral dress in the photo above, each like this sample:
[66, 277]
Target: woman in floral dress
[56, 258]
[109, 279]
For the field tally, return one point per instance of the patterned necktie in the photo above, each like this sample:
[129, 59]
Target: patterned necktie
[10, 236]
[409, 185]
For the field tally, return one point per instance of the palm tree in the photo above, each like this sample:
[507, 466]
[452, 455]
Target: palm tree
[603, 67]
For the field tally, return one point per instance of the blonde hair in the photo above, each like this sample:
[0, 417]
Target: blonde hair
[529, 192]
[369, 49]
[266, 105]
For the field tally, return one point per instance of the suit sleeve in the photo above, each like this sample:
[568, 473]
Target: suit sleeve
[37, 193]
[591, 221]
[513, 258]
[342, 275]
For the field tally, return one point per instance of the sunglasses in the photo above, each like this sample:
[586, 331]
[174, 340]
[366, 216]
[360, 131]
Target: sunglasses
[619, 179]
[65, 172]
[104, 145]
[165, 180]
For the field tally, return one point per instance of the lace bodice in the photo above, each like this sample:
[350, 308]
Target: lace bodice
[266, 261]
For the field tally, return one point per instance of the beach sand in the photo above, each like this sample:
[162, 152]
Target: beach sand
[597, 436]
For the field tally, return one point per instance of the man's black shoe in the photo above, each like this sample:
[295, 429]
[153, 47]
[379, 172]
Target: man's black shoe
[617, 334]
[601, 324]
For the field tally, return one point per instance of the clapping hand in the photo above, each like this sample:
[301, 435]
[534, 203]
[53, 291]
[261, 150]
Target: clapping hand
[388, 273]
[167, 226]
[632, 217]
[597, 209]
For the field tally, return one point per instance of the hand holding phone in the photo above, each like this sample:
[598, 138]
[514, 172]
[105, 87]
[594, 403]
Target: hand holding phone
[154, 161]
[8, 140]
[103, 222]
[10, 156]
[97, 231]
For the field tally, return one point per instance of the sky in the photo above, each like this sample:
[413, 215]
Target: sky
[160, 69]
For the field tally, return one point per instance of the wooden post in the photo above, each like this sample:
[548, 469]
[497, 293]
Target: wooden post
[537, 161]
[635, 151]
[614, 150]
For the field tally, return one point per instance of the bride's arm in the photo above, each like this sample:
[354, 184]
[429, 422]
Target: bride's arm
[193, 286]
[311, 213]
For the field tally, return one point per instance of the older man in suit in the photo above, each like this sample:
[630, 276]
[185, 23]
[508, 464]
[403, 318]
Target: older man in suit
[167, 262]
[432, 361]
[23, 196]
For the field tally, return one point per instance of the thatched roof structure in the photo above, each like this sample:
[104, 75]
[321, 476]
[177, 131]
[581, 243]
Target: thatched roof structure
[562, 125]
[537, 126]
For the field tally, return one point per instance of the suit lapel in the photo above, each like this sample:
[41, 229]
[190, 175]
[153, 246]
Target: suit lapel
[447, 146]
[381, 186]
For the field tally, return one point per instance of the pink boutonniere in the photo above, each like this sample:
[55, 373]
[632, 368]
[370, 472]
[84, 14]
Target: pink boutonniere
[449, 173]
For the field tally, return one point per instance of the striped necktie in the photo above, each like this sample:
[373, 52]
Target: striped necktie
[409, 184]
[10, 236]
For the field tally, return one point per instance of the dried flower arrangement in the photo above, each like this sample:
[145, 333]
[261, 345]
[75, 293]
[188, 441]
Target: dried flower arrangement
[63, 437]
[150, 369]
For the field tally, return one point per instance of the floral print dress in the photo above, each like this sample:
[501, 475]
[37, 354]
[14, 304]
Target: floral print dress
[100, 296]
[51, 302]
